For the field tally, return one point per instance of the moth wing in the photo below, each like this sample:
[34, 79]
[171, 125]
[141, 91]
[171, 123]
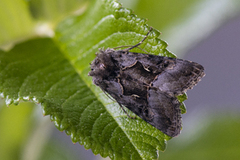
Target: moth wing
[164, 112]
[173, 76]
[160, 110]
[179, 77]
[132, 103]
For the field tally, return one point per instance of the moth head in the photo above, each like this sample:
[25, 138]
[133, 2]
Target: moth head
[102, 66]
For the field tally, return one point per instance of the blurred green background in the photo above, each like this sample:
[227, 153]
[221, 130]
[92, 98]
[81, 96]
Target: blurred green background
[210, 30]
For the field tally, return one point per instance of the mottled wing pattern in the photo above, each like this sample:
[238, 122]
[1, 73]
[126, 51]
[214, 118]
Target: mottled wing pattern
[175, 76]
[147, 84]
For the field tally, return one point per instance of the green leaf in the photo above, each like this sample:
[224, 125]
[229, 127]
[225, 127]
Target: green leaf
[180, 21]
[182, 98]
[38, 70]
[55, 74]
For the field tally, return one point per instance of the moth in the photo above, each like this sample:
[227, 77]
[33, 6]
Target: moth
[146, 84]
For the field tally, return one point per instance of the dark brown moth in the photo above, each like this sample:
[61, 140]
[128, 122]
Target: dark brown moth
[146, 84]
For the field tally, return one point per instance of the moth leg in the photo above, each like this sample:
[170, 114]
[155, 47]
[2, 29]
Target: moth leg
[128, 49]
[109, 96]
[119, 105]
[126, 112]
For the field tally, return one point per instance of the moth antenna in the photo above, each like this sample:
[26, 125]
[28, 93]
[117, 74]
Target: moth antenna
[131, 46]
[121, 47]
[143, 50]
[128, 49]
